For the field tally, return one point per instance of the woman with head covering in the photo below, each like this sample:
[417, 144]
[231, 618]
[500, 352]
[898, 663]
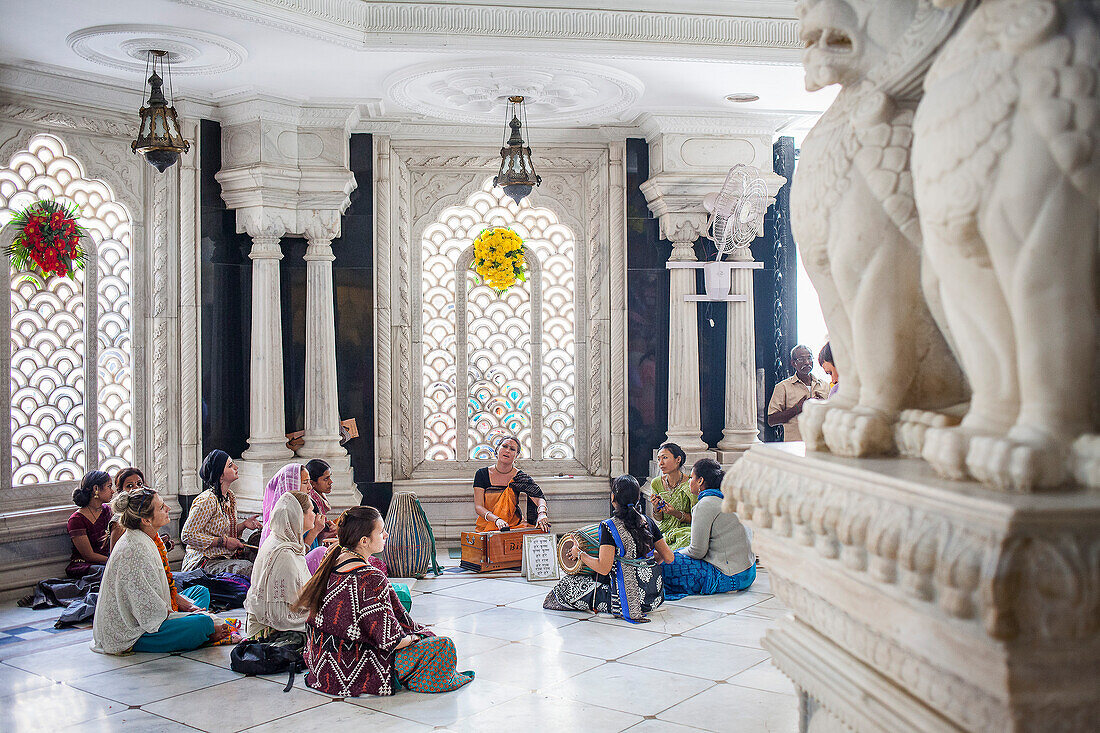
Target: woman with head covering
[280, 569]
[291, 477]
[497, 489]
[212, 532]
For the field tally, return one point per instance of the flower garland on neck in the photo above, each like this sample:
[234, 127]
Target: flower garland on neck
[168, 573]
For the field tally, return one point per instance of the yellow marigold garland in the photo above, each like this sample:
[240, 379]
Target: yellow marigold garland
[498, 258]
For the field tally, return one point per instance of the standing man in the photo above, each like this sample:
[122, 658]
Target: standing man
[789, 395]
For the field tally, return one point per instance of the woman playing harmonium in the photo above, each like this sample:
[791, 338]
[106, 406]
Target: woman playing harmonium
[497, 489]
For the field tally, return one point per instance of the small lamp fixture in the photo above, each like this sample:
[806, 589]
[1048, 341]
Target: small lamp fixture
[517, 172]
[159, 138]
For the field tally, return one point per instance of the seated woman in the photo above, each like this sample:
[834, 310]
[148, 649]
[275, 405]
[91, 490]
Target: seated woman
[128, 479]
[672, 502]
[497, 489]
[359, 639]
[291, 477]
[627, 583]
[280, 570]
[212, 532]
[719, 558]
[139, 609]
[88, 525]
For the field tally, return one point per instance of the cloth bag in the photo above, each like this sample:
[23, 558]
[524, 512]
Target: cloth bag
[274, 654]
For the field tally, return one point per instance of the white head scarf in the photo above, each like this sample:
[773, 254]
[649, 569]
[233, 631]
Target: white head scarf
[280, 568]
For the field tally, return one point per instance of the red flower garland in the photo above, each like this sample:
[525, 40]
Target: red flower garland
[47, 242]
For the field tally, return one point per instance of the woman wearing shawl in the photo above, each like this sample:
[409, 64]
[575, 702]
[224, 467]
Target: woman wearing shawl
[359, 639]
[212, 533]
[627, 583]
[671, 499]
[291, 477]
[719, 558]
[138, 608]
[497, 489]
[280, 569]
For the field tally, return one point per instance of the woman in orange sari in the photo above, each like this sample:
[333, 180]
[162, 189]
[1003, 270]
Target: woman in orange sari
[497, 489]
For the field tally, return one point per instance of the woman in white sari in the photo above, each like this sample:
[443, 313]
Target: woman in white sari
[139, 608]
[279, 571]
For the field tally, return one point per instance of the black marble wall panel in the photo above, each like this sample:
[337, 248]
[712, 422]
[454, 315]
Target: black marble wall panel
[226, 276]
[647, 317]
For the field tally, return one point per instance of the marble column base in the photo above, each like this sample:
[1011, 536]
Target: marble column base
[925, 604]
[252, 479]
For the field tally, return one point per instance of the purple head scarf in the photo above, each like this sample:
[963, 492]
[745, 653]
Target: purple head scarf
[289, 478]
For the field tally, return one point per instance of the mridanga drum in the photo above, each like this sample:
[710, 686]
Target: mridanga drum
[410, 548]
[588, 539]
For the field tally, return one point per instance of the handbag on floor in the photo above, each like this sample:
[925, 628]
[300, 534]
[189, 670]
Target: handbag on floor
[273, 654]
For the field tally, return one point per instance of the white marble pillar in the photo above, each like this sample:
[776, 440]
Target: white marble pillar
[267, 421]
[322, 408]
[683, 346]
[740, 430]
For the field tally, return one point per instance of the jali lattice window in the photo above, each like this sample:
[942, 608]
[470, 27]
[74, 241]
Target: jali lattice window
[498, 356]
[56, 420]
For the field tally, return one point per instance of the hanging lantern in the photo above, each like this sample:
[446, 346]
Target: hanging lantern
[517, 172]
[159, 137]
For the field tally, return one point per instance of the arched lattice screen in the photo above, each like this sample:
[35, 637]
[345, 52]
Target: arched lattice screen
[500, 357]
[50, 352]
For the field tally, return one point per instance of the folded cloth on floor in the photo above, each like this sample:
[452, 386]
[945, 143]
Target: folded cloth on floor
[77, 595]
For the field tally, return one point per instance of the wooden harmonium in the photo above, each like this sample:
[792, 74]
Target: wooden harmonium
[485, 551]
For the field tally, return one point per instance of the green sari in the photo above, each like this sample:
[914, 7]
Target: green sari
[677, 534]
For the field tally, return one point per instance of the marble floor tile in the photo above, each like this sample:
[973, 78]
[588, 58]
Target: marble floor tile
[334, 715]
[12, 614]
[159, 678]
[736, 629]
[528, 667]
[733, 709]
[764, 676]
[216, 655]
[546, 713]
[697, 657]
[443, 708]
[773, 609]
[432, 608]
[233, 706]
[667, 619]
[130, 721]
[722, 602]
[53, 707]
[469, 645]
[763, 582]
[75, 661]
[597, 640]
[510, 624]
[628, 688]
[492, 591]
[534, 603]
[14, 681]
[660, 726]
[432, 583]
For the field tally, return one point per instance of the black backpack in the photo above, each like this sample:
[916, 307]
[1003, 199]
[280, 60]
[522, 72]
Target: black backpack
[273, 655]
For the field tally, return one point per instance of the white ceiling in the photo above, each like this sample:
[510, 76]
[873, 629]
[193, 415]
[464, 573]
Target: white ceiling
[371, 54]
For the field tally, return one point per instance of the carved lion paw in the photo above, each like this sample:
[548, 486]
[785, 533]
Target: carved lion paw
[912, 425]
[1019, 463]
[858, 432]
[1086, 460]
[810, 422]
[945, 450]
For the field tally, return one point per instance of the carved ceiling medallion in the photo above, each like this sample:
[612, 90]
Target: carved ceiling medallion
[475, 92]
[126, 47]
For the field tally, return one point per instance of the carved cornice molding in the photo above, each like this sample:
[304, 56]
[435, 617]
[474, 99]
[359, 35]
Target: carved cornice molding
[360, 24]
[766, 124]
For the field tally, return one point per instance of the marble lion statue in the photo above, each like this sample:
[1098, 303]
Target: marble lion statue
[1006, 170]
[855, 221]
